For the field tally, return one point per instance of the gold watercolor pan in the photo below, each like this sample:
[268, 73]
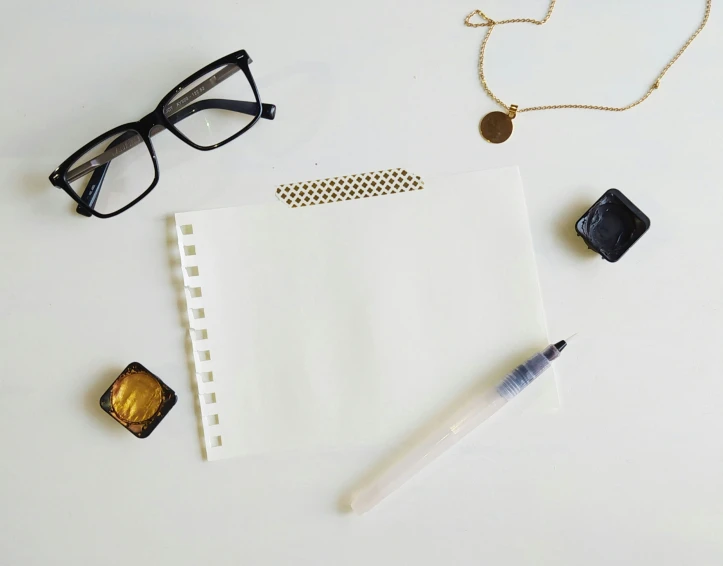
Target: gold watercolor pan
[138, 400]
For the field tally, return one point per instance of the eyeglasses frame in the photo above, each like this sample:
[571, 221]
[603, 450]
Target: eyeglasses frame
[145, 126]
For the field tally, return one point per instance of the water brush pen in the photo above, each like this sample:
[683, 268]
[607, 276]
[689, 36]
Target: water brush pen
[450, 430]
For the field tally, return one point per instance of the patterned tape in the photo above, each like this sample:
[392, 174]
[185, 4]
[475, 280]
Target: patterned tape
[336, 189]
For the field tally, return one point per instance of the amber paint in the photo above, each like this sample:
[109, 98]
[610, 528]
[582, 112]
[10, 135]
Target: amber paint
[136, 397]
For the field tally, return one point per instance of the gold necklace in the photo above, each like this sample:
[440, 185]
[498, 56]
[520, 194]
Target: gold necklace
[496, 127]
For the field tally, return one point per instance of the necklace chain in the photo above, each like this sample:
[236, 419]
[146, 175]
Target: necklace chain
[490, 24]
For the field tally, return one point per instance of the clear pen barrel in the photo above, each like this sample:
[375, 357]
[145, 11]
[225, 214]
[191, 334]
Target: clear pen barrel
[448, 430]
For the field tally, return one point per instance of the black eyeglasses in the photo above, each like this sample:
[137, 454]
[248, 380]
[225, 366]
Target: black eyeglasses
[189, 111]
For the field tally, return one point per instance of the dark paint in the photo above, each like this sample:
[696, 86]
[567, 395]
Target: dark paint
[612, 225]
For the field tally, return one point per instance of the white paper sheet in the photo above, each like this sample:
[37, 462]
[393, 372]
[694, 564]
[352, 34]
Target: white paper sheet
[352, 323]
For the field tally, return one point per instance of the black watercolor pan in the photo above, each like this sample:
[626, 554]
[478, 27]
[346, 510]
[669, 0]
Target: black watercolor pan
[612, 225]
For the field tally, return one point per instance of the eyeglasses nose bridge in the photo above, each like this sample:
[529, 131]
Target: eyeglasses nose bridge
[148, 122]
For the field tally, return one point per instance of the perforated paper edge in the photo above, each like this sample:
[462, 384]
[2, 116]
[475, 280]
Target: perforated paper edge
[201, 341]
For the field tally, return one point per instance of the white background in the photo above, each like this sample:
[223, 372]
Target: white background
[629, 471]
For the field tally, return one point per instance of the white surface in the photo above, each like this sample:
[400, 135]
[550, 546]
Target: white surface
[353, 324]
[628, 472]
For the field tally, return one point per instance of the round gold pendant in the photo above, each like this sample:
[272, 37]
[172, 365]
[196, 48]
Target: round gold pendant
[496, 127]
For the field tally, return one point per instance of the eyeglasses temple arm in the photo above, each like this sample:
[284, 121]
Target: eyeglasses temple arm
[217, 78]
[170, 109]
[92, 189]
[268, 112]
[129, 140]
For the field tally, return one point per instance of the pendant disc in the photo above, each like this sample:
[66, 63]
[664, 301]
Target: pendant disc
[496, 127]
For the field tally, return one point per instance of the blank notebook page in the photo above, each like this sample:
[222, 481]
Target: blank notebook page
[353, 323]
